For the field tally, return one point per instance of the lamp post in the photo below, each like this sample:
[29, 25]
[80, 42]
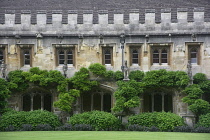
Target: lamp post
[3, 69]
[122, 42]
[65, 68]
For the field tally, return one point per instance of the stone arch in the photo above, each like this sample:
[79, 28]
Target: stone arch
[98, 99]
[158, 101]
[35, 98]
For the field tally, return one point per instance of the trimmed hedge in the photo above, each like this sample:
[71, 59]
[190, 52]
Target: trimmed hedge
[17, 119]
[99, 120]
[165, 121]
[204, 120]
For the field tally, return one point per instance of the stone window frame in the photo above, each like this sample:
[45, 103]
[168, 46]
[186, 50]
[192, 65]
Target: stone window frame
[138, 48]
[23, 48]
[3, 50]
[163, 96]
[42, 99]
[197, 47]
[66, 48]
[110, 48]
[160, 48]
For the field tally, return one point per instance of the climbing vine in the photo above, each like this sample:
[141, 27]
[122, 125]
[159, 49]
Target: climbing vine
[4, 94]
[126, 96]
[194, 93]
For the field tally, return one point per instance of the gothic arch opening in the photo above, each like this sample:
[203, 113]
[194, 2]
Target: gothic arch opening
[96, 100]
[157, 102]
[34, 100]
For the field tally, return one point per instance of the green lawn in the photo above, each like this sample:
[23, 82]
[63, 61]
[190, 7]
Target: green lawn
[101, 135]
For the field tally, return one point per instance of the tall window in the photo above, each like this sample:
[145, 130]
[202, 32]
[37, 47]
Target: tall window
[26, 55]
[135, 56]
[107, 56]
[65, 55]
[194, 54]
[160, 55]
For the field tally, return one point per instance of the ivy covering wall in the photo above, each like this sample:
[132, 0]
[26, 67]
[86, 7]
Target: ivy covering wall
[126, 96]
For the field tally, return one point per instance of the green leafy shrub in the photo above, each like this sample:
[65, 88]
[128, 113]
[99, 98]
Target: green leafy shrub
[17, 119]
[165, 121]
[118, 75]
[200, 107]
[168, 79]
[136, 75]
[42, 117]
[99, 120]
[198, 78]
[4, 94]
[127, 95]
[204, 120]
[97, 69]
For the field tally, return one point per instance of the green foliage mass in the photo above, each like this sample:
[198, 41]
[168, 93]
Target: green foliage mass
[199, 78]
[17, 81]
[81, 80]
[168, 79]
[66, 100]
[18, 118]
[4, 94]
[118, 75]
[200, 107]
[165, 121]
[98, 119]
[127, 95]
[136, 75]
[194, 92]
[97, 69]
[204, 120]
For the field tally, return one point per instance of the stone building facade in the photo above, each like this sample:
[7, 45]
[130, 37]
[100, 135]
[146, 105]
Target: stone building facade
[166, 38]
